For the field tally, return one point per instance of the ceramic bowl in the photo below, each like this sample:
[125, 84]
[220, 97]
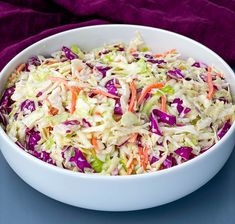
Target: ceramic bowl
[119, 193]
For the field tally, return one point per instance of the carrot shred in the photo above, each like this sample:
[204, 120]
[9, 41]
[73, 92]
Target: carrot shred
[133, 138]
[100, 92]
[133, 97]
[165, 54]
[58, 79]
[79, 69]
[20, 68]
[158, 55]
[132, 50]
[210, 84]
[95, 144]
[98, 113]
[163, 106]
[53, 111]
[218, 74]
[73, 101]
[51, 62]
[143, 152]
[74, 90]
[131, 167]
[147, 89]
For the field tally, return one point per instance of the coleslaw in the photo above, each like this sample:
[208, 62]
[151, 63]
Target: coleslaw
[116, 110]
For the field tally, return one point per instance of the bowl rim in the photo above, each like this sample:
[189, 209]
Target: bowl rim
[62, 171]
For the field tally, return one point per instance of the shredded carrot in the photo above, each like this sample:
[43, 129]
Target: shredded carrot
[146, 156]
[100, 92]
[158, 55]
[133, 97]
[53, 111]
[147, 89]
[58, 79]
[97, 113]
[74, 90]
[130, 169]
[218, 74]
[210, 84]
[20, 68]
[95, 144]
[143, 156]
[61, 80]
[51, 62]
[133, 138]
[131, 166]
[132, 50]
[165, 54]
[180, 124]
[163, 98]
[79, 69]
[48, 100]
[73, 101]
[12, 76]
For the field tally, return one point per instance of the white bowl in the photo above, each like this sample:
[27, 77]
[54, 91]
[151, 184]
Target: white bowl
[118, 193]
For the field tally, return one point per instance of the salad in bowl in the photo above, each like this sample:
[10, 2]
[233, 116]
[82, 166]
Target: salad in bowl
[116, 110]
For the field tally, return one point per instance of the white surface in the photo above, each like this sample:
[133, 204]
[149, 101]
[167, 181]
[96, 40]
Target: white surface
[118, 193]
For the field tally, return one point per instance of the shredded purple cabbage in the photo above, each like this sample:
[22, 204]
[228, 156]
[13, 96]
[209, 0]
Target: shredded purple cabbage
[175, 74]
[186, 110]
[205, 149]
[110, 86]
[118, 108]
[224, 129]
[148, 56]
[44, 156]
[138, 140]
[153, 61]
[104, 52]
[196, 64]
[169, 162]
[3, 119]
[122, 144]
[112, 89]
[32, 139]
[179, 106]
[184, 152]
[223, 99]
[79, 159]
[154, 128]
[69, 54]
[6, 100]
[34, 61]
[102, 70]
[164, 117]
[71, 122]
[199, 65]
[86, 123]
[20, 145]
[136, 56]
[178, 103]
[39, 94]
[153, 160]
[27, 105]
[90, 65]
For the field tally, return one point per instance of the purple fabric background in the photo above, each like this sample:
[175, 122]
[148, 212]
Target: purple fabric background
[23, 22]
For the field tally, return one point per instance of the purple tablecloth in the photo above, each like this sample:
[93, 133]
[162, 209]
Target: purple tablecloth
[211, 22]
